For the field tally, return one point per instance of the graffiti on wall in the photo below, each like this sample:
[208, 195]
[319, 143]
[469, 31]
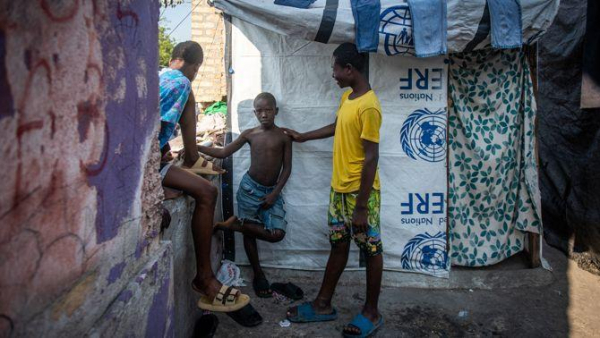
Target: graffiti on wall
[78, 98]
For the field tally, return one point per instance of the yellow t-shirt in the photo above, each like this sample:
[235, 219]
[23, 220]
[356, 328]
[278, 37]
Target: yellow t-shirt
[358, 119]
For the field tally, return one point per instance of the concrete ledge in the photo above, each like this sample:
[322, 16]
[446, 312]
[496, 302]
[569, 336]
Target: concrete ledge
[145, 307]
[179, 233]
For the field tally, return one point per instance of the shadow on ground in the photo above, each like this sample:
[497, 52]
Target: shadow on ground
[566, 304]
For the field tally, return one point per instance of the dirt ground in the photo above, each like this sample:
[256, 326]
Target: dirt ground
[567, 304]
[586, 262]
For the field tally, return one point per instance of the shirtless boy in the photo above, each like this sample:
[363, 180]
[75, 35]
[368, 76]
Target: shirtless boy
[260, 206]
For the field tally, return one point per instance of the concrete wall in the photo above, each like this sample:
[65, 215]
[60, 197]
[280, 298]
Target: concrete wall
[179, 233]
[79, 191]
[208, 30]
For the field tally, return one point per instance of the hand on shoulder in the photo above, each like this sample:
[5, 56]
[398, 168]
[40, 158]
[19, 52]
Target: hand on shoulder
[294, 135]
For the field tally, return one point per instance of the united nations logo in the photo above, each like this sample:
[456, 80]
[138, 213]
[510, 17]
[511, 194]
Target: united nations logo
[426, 253]
[396, 27]
[423, 135]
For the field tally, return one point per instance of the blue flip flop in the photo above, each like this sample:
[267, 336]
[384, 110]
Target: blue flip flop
[365, 326]
[306, 314]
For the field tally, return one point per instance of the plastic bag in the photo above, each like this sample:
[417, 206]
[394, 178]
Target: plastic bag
[229, 274]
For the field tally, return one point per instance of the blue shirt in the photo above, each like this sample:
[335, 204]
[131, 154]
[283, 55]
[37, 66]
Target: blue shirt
[175, 90]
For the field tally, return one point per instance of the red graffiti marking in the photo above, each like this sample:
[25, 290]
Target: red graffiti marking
[96, 169]
[29, 126]
[69, 14]
[28, 83]
[121, 14]
[93, 66]
[96, 68]
[52, 123]
[56, 182]
[24, 127]
[87, 112]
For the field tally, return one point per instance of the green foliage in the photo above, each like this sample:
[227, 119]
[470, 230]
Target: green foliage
[165, 47]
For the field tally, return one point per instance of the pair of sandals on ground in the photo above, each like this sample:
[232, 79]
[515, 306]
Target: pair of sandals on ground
[241, 311]
[233, 302]
[360, 326]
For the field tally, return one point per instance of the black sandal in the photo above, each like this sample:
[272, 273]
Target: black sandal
[289, 290]
[206, 326]
[262, 288]
[246, 316]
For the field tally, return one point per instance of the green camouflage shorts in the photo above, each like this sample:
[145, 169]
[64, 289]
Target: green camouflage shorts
[339, 218]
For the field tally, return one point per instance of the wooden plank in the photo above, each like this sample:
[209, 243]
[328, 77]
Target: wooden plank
[534, 250]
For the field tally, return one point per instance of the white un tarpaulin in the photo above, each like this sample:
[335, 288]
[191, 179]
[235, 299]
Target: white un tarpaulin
[412, 149]
[467, 23]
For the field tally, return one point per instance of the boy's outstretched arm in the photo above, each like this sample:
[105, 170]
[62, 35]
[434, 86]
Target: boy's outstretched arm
[325, 132]
[228, 149]
[270, 199]
[188, 131]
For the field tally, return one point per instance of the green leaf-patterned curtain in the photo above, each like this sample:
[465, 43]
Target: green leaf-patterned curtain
[494, 198]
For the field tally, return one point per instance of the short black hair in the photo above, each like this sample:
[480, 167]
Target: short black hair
[347, 53]
[267, 97]
[189, 51]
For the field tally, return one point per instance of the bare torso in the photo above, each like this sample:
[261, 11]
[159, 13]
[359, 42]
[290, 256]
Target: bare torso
[267, 150]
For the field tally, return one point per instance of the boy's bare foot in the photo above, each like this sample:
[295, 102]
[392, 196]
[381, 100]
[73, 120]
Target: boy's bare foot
[373, 316]
[232, 223]
[171, 193]
[262, 287]
[208, 287]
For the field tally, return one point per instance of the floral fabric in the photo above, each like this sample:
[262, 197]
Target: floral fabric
[493, 198]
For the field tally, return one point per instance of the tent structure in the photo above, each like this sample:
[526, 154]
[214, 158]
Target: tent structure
[569, 131]
[467, 25]
[457, 152]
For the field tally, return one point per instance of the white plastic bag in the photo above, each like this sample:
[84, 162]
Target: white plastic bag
[229, 274]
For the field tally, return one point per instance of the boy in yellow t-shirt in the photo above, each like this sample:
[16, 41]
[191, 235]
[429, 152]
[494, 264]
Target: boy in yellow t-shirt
[354, 200]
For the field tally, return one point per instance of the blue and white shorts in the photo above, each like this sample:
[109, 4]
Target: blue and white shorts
[250, 198]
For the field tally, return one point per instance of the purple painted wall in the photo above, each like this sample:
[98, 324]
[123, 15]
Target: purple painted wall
[79, 186]
[157, 321]
[130, 120]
